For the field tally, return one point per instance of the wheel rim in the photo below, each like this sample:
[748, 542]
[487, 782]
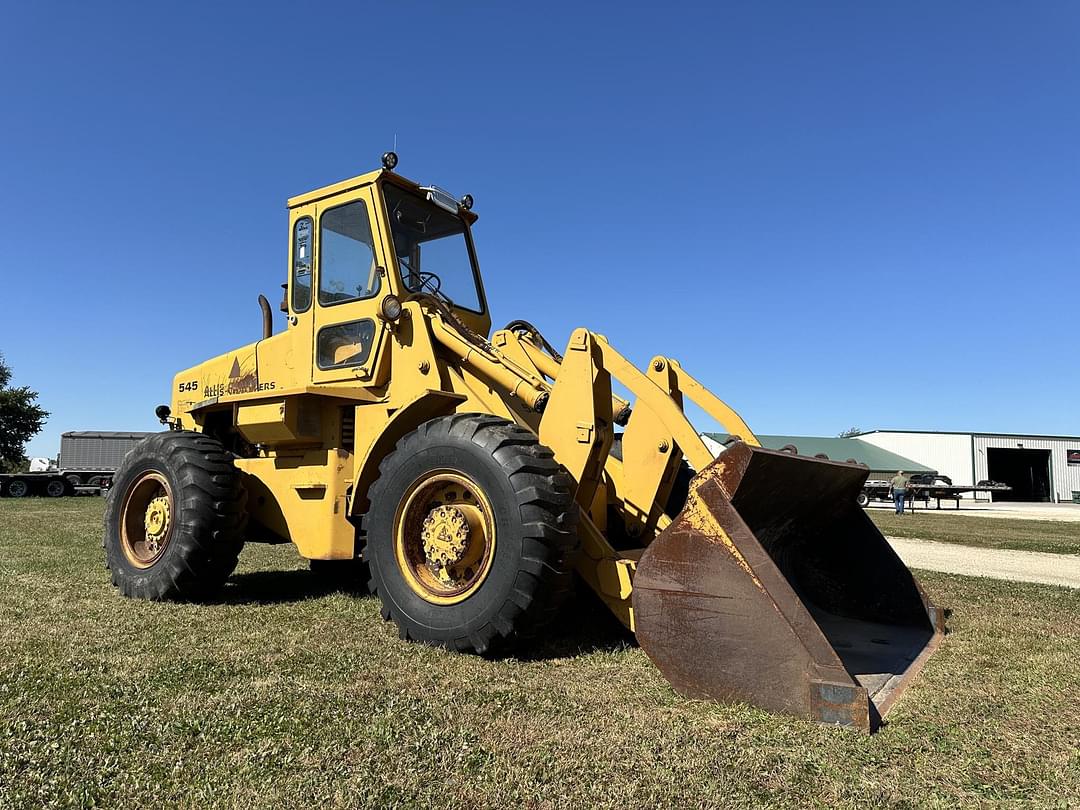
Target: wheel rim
[17, 489]
[55, 489]
[146, 522]
[444, 537]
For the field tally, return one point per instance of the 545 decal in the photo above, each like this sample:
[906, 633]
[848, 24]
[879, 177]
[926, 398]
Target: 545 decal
[190, 385]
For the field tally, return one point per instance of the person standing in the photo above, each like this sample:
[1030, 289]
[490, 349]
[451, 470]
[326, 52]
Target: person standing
[899, 485]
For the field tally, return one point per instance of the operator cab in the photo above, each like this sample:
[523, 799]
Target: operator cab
[372, 241]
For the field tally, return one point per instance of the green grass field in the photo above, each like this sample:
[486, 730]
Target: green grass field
[286, 695]
[1055, 536]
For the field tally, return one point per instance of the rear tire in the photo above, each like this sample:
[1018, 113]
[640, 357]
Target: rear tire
[862, 499]
[57, 488]
[520, 532]
[174, 519]
[17, 488]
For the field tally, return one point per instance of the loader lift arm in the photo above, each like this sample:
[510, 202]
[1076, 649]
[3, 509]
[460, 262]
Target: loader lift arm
[655, 440]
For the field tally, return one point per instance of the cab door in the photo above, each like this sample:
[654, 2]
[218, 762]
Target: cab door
[349, 283]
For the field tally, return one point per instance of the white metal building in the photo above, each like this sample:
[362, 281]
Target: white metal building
[1038, 468]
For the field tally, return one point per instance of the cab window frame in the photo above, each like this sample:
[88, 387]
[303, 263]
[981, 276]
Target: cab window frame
[478, 280]
[375, 290]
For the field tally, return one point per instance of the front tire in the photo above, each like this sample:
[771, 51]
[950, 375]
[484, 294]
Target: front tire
[174, 519]
[469, 533]
[862, 499]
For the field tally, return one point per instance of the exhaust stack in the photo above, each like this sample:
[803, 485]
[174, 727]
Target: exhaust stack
[267, 318]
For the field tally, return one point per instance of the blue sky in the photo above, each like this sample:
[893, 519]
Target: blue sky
[798, 200]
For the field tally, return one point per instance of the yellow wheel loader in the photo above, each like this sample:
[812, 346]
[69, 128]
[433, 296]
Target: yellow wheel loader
[468, 476]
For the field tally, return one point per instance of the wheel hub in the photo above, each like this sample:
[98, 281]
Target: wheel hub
[156, 522]
[146, 518]
[445, 535]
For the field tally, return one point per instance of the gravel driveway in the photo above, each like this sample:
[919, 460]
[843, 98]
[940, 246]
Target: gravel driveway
[1019, 566]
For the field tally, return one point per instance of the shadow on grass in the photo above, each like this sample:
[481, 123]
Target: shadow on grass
[584, 625]
[281, 587]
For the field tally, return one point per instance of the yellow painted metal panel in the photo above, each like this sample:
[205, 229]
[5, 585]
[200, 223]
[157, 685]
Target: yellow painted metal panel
[334, 189]
[302, 499]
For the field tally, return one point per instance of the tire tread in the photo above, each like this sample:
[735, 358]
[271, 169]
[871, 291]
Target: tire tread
[210, 519]
[548, 513]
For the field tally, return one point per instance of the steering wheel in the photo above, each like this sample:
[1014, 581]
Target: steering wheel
[426, 282]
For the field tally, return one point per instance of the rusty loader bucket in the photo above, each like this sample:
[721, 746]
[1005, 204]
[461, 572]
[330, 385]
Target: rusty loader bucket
[774, 588]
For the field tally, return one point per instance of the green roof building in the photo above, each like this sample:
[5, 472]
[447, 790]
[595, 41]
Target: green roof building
[882, 463]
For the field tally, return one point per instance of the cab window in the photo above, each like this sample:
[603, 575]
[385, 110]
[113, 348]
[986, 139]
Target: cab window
[301, 269]
[345, 344]
[347, 267]
[432, 252]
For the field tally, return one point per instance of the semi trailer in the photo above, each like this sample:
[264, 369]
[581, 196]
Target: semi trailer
[86, 465]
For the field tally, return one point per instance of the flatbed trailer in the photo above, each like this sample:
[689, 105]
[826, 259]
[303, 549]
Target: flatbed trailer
[880, 491]
[51, 484]
[56, 483]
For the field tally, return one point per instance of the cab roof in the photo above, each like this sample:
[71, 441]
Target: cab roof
[363, 180]
[336, 188]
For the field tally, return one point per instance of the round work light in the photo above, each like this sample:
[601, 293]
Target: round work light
[390, 308]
